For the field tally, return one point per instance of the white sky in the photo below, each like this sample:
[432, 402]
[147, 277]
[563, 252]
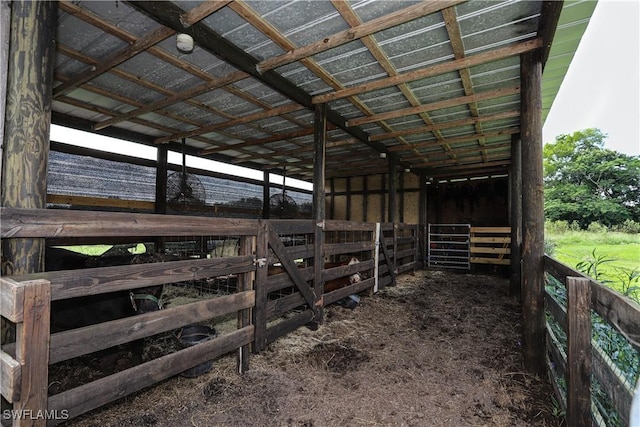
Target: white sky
[602, 86]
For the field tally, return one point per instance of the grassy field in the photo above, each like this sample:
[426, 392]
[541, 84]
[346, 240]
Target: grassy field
[620, 252]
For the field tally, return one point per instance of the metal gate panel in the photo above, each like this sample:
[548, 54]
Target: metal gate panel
[448, 246]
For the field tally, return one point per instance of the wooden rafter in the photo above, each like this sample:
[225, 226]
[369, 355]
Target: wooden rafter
[457, 140]
[445, 67]
[343, 37]
[473, 161]
[482, 96]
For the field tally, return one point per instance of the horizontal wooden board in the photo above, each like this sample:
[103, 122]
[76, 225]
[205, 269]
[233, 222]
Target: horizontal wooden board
[479, 260]
[346, 248]
[50, 223]
[476, 239]
[618, 310]
[610, 378]
[11, 299]
[77, 342]
[338, 225]
[285, 326]
[82, 399]
[338, 294]
[486, 250]
[92, 281]
[100, 202]
[276, 308]
[505, 230]
[10, 372]
[347, 270]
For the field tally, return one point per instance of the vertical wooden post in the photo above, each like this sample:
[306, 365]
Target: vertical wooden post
[376, 257]
[5, 33]
[515, 197]
[32, 351]
[422, 218]
[245, 283]
[319, 143]
[266, 194]
[348, 216]
[393, 186]
[533, 213]
[365, 198]
[160, 206]
[383, 209]
[319, 209]
[27, 121]
[260, 310]
[401, 197]
[578, 352]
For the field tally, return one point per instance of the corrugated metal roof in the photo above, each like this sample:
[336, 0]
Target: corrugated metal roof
[392, 73]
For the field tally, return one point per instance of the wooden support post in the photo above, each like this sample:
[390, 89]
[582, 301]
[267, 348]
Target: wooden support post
[348, 214]
[266, 195]
[27, 122]
[515, 197]
[383, 209]
[245, 283]
[260, 310]
[393, 186]
[32, 351]
[5, 25]
[422, 218]
[319, 209]
[533, 213]
[161, 192]
[578, 352]
[365, 197]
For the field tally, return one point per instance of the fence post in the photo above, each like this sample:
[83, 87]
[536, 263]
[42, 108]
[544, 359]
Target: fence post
[32, 351]
[395, 251]
[245, 283]
[262, 271]
[578, 352]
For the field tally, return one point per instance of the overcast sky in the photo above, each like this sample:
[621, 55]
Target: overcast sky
[602, 87]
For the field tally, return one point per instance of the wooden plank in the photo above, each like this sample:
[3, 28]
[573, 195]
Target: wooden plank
[476, 239]
[346, 248]
[339, 225]
[505, 230]
[32, 350]
[11, 299]
[292, 226]
[102, 202]
[92, 281]
[578, 352]
[612, 381]
[259, 312]
[278, 307]
[338, 294]
[557, 311]
[487, 250]
[280, 281]
[618, 310]
[387, 258]
[245, 284]
[556, 351]
[11, 374]
[479, 260]
[284, 327]
[346, 270]
[82, 399]
[77, 342]
[49, 223]
[279, 249]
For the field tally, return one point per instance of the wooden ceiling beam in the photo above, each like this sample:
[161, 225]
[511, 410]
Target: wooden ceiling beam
[445, 67]
[472, 161]
[375, 25]
[445, 125]
[482, 96]
[457, 140]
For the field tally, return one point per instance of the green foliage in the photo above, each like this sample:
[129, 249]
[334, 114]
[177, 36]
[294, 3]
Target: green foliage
[596, 227]
[585, 183]
[628, 226]
[592, 266]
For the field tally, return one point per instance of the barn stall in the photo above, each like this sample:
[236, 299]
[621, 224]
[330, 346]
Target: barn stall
[401, 114]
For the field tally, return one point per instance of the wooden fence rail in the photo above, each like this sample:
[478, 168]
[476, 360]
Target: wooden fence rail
[385, 249]
[581, 358]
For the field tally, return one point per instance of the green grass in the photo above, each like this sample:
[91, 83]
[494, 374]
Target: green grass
[620, 250]
[97, 250]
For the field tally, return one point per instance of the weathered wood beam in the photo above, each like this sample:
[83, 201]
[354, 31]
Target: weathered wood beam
[27, 123]
[346, 36]
[515, 198]
[455, 65]
[319, 144]
[533, 214]
[445, 125]
[474, 137]
[462, 160]
[482, 96]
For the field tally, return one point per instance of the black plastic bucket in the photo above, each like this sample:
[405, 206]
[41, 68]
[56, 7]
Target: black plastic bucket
[189, 336]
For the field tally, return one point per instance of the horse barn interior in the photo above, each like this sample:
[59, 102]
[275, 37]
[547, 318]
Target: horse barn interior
[413, 122]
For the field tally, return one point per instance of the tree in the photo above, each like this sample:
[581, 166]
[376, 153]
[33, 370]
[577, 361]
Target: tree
[586, 182]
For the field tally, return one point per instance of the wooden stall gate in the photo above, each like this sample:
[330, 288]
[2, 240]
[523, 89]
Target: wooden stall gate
[571, 314]
[36, 348]
[490, 245]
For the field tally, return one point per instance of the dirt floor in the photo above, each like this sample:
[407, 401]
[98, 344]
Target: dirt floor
[438, 349]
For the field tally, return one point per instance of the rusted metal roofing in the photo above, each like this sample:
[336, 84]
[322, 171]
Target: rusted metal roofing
[435, 84]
